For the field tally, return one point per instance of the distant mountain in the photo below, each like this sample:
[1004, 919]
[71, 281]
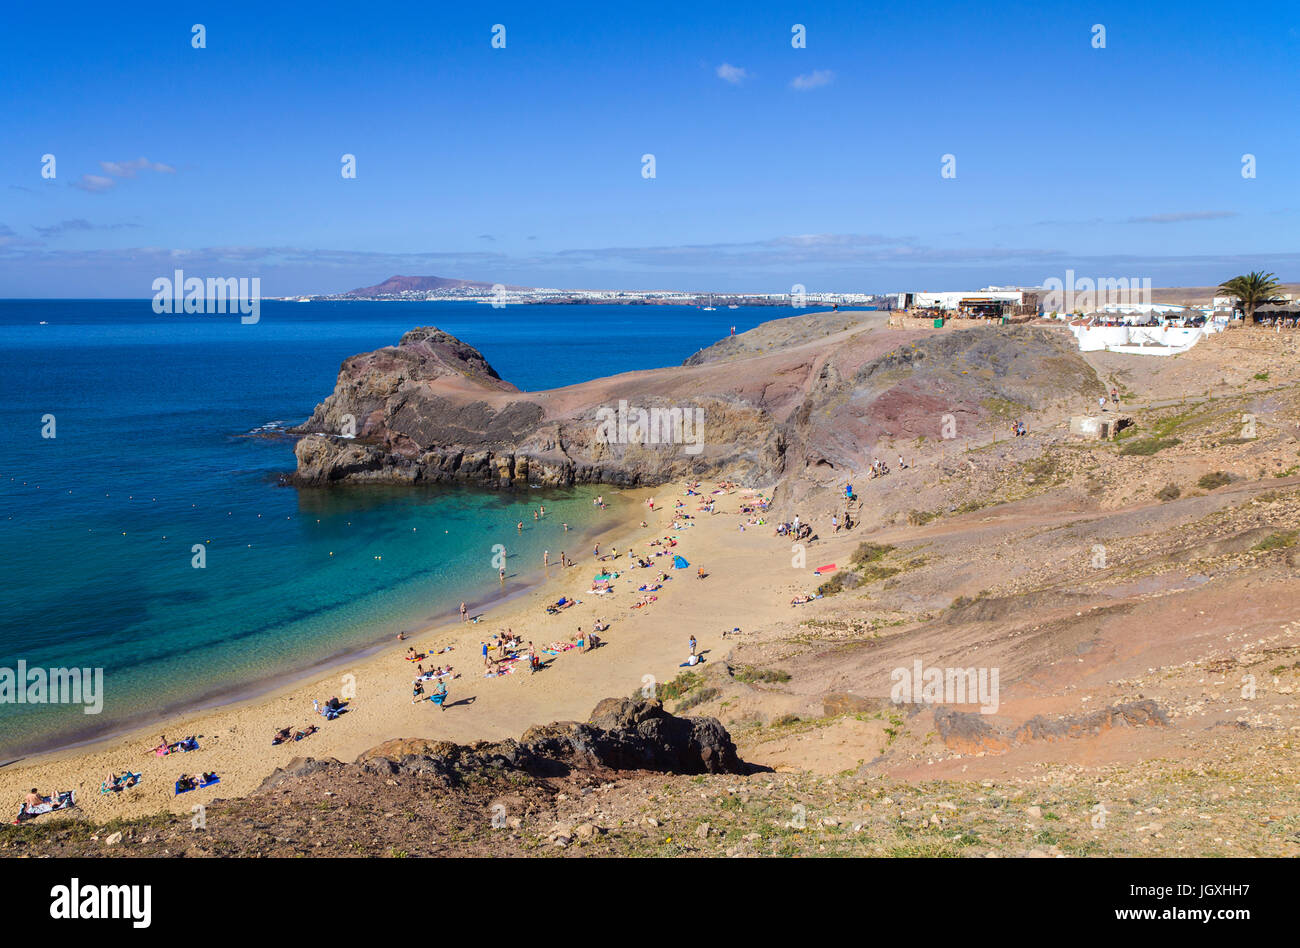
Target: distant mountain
[396, 285]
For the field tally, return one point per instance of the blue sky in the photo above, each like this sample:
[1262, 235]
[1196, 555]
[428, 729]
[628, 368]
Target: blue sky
[523, 165]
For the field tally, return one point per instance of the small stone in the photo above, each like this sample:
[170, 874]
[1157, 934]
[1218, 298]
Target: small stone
[702, 831]
[113, 840]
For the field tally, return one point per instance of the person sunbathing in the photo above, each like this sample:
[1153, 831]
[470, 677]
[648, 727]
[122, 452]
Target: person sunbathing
[305, 732]
[800, 600]
[281, 736]
[33, 798]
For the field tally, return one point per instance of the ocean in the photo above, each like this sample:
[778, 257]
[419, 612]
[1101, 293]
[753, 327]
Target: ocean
[166, 434]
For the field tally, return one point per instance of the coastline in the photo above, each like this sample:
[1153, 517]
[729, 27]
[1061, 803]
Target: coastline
[235, 734]
[271, 685]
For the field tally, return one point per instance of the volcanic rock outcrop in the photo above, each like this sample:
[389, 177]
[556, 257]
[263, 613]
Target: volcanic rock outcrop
[793, 397]
[621, 734]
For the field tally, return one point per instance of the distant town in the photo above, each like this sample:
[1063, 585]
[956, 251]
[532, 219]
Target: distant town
[439, 288]
[1131, 298]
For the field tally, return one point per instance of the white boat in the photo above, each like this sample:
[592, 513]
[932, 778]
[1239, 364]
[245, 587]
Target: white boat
[709, 309]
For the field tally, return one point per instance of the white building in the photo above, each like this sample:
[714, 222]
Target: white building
[958, 299]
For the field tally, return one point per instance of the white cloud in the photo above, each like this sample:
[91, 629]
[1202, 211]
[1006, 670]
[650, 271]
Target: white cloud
[127, 169]
[813, 80]
[93, 182]
[732, 74]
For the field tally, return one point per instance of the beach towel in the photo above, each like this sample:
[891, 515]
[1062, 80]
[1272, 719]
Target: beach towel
[201, 786]
[120, 784]
[824, 569]
[61, 801]
[679, 562]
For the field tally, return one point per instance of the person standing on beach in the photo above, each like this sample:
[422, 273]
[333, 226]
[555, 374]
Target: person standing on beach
[596, 551]
[464, 612]
[502, 573]
[546, 557]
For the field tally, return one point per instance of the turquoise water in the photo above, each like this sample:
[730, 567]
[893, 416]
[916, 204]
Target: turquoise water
[162, 443]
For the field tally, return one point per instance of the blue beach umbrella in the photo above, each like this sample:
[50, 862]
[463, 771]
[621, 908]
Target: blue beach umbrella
[679, 562]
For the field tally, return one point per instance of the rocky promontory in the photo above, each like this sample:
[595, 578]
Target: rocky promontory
[804, 395]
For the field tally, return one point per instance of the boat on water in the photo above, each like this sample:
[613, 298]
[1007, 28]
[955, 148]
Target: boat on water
[709, 309]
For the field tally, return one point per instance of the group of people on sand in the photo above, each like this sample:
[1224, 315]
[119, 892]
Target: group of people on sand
[1018, 428]
[165, 747]
[510, 649]
[190, 782]
[795, 529]
[287, 735]
[116, 781]
[438, 696]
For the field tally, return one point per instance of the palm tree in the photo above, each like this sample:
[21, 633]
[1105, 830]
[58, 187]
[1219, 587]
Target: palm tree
[1251, 291]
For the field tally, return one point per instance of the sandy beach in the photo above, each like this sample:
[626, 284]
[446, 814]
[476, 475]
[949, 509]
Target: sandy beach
[741, 590]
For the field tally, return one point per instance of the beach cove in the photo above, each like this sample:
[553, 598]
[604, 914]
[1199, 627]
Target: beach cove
[146, 532]
[749, 581]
